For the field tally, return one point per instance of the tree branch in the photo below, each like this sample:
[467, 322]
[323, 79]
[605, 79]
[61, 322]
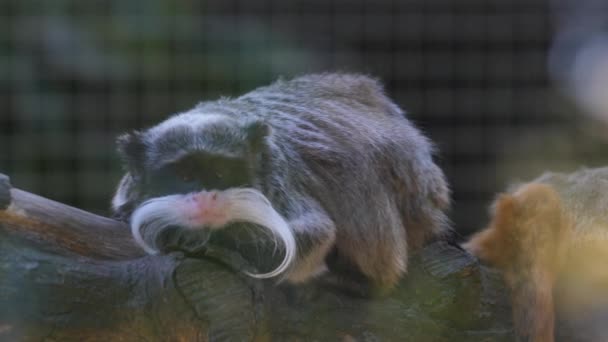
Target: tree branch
[69, 275]
[63, 229]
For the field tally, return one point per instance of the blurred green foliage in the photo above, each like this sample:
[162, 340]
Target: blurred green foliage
[75, 74]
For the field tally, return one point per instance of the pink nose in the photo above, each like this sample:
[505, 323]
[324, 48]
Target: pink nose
[210, 210]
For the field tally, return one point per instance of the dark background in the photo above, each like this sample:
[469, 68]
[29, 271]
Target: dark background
[471, 74]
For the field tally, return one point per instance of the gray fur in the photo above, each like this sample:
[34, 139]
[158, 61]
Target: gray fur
[5, 192]
[342, 164]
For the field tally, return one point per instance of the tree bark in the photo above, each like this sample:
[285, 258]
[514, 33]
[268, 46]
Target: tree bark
[68, 275]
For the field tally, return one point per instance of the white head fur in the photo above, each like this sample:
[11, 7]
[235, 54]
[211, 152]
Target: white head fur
[212, 210]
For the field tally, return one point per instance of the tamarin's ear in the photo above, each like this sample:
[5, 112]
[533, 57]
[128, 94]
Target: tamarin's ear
[257, 131]
[131, 149]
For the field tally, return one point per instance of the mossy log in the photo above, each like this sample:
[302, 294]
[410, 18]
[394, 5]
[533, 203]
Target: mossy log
[69, 275]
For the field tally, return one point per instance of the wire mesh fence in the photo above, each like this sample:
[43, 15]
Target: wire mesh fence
[472, 74]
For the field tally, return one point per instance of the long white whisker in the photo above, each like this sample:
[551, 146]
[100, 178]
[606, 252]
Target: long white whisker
[242, 205]
[250, 205]
[155, 215]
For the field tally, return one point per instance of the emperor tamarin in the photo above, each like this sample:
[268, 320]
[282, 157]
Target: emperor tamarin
[326, 162]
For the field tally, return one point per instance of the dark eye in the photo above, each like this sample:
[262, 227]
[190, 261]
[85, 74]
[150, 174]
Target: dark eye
[185, 172]
[185, 177]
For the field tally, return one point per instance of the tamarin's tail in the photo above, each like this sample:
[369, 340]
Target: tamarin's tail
[526, 239]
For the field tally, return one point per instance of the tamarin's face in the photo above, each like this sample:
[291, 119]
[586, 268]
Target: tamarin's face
[196, 172]
[188, 153]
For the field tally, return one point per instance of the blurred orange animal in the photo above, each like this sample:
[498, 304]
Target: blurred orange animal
[549, 238]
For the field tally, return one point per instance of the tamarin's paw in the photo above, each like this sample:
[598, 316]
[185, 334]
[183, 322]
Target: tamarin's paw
[188, 241]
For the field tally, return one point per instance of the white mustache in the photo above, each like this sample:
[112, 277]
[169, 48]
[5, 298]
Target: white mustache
[241, 205]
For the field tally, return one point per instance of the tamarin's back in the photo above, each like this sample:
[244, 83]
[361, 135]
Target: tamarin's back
[339, 139]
